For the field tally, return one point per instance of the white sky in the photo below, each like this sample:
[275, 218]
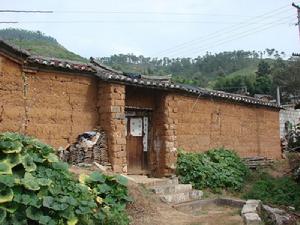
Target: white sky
[156, 27]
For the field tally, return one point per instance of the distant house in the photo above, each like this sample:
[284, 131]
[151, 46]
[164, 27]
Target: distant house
[263, 97]
[146, 119]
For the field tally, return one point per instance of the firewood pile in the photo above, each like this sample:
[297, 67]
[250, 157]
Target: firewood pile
[257, 161]
[90, 147]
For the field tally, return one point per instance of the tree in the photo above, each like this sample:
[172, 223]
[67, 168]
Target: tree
[263, 85]
[263, 68]
[287, 75]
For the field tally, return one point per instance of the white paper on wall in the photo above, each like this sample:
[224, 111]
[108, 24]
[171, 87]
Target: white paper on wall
[145, 137]
[136, 127]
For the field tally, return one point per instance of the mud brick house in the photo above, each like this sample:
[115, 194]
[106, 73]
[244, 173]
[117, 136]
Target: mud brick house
[146, 119]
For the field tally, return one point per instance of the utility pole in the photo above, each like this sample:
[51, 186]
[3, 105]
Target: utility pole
[278, 95]
[298, 15]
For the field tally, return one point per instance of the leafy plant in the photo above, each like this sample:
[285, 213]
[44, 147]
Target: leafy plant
[36, 188]
[215, 169]
[278, 191]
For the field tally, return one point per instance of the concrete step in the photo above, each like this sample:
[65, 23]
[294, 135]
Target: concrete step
[180, 197]
[171, 188]
[162, 182]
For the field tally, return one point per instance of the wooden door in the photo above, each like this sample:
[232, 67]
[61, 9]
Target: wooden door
[134, 145]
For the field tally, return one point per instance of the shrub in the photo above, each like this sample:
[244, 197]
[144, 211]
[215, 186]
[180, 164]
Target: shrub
[37, 188]
[278, 191]
[215, 169]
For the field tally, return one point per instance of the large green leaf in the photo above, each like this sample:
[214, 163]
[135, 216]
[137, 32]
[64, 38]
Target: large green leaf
[34, 213]
[51, 157]
[11, 146]
[10, 207]
[30, 182]
[72, 221]
[50, 202]
[44, 181]
[5, 168]
[28, 163]
[97, 177]
[2, 215]
[6, 194]
[121, 180]
[13, 159]
[7, 180]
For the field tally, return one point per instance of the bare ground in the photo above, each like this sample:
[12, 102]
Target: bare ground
[147, 209]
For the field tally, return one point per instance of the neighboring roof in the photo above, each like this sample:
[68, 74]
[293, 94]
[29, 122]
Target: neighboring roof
[108, 74]
[61, 64]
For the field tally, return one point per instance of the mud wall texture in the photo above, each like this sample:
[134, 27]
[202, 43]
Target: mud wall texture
[203, 124]
[12, 113]
[52, 106]
[111, 103]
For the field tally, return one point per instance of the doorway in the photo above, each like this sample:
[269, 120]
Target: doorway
[137, 141]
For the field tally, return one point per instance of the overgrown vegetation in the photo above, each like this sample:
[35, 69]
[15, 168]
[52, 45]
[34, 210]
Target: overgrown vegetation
[215, 169]
[38, 43]
[279, 191]
[37, 188]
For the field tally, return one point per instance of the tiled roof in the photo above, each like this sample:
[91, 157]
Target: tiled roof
[108, 74]
[200, 92]
[61, 64]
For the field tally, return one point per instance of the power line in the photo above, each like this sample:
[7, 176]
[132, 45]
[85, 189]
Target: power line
[228, 29]
[147, 12]
[217, 39]
[239, 36]
[137, 21]
[8, 22]
[209, 37]
[24, 11]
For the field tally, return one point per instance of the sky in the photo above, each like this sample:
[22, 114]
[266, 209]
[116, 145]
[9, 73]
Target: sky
[158, 28]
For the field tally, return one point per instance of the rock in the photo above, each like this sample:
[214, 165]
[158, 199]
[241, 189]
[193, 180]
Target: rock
[100, 167]
[250, 212]
[248, 209]
[251, 219]
[277, 216]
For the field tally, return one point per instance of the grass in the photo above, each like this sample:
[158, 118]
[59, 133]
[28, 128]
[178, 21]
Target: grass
[278, 191]
[48, 49]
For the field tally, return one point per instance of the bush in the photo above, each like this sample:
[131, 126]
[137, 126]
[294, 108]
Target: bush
[278, 191]
[37, 188]
[215, 169]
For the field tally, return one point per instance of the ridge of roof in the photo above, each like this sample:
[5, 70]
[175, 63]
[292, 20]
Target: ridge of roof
[189, 89]
[14, 48]
[62, 63]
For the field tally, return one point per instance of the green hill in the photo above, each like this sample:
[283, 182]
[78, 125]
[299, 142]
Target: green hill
[38, 43]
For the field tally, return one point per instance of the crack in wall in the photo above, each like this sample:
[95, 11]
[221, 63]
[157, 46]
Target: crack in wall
[71, 118]
[1, 113]
[25, 95]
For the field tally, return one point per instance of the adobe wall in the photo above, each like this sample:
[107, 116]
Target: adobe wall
[54, 107]
[12, 113]
[202, 124]
[60, 106]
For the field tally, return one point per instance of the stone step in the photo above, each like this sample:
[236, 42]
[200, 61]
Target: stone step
[162, 182]
[180, 197]
[171, 188]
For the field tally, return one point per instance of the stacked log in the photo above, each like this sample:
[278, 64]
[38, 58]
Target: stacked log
[257, 161]
[90, 147]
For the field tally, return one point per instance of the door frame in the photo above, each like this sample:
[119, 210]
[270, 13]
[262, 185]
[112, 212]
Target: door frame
[140, 113]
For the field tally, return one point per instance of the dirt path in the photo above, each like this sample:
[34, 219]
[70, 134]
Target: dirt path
[147, 209]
